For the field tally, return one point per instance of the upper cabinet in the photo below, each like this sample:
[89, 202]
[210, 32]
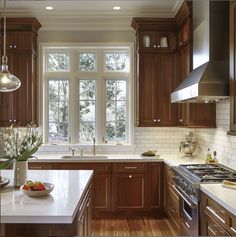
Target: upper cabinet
[232, 68]
[20, 106]
[164, 59]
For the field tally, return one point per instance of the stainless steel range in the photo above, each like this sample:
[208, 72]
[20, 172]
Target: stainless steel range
[187, 181]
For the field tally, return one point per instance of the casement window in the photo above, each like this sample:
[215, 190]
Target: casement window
[86, 94]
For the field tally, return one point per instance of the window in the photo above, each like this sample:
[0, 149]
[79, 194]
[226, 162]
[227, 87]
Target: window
[86, 94]
[115, 110]
[58, 107]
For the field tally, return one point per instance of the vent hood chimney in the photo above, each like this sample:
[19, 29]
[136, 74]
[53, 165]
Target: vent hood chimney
[209, 81]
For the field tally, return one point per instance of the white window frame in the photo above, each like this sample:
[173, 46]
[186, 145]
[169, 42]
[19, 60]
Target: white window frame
[74, 75]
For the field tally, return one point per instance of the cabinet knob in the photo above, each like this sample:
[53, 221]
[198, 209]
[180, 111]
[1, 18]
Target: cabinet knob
[158, 120]
[181, 120]
[130, 176]
[14, 46]
[10, 46]
[158, 46]
[154, 46]
[154, 120]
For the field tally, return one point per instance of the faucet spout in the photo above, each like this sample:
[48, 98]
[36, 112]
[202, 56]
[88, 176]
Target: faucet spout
[94, 147]
[72, 151]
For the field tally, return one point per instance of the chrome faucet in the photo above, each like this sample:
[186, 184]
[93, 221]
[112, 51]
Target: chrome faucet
[72, 151]
[94, 147]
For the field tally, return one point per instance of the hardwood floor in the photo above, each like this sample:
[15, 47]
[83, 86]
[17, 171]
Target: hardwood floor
[143, 226]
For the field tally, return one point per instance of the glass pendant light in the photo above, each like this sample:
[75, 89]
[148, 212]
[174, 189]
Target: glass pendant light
[8, 82]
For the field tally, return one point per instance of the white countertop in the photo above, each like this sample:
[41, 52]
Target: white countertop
[60, 206]
[224, 196]
[171, 160]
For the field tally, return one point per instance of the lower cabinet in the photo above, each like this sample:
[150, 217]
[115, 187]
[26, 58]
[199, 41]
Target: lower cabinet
[172, 200]
[135, 188]
[84, 216]
[129, 192]
[215, 219]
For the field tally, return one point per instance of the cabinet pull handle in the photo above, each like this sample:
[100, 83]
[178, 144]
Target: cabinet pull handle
[158, 120]
[172, 210]
[215, 214]
[88, 203]
[234, 230]
[186, 224]
[130, 176]
[181, 120]
[36, 167]
[82, 220]
[131, 167]
[211, 229]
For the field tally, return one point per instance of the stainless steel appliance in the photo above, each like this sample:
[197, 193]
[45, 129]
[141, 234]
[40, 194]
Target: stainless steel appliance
[187, 181]
[209, 81]
[189, 146]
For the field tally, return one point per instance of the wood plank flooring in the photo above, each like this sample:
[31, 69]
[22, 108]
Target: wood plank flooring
[143, 226]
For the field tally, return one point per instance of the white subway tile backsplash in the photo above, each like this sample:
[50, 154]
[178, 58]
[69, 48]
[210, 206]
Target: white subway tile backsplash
[166, 140]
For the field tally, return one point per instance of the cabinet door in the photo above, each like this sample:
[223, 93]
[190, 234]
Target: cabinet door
[101, 192]
[166, 77]
[25, 96]
[129, 192]
[147, 94]
[156, 187]
[6, 108]
[20, 41]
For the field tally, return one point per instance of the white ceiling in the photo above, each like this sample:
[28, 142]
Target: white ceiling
[91, 14]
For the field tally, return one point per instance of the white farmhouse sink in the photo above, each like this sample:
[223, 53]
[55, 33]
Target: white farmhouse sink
[85, 157]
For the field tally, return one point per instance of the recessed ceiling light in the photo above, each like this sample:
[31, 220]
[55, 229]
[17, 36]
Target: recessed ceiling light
[117, 8]
[49, 8]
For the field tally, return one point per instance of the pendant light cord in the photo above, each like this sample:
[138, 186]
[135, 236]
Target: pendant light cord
[4, 57]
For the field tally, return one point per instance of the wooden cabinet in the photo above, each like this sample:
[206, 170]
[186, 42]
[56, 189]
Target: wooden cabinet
[120, 187]
[161, 69]
[215, 219]
[21, 105]
[84, 216]
[172, 200]
[156, 188]
[129, 187]
[101, 183]
[189, 114]
[232, 68]
[157, 73]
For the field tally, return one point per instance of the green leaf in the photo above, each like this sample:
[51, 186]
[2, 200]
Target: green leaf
[5, 164]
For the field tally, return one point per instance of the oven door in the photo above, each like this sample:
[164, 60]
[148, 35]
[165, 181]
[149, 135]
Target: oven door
[188, 214]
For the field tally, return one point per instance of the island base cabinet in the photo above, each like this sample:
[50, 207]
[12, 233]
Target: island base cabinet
[81, 226]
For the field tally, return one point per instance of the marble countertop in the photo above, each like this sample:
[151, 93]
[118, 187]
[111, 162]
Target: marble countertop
[224, 196]
[60, 206]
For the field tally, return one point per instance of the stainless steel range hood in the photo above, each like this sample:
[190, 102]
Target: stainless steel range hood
[210, 81]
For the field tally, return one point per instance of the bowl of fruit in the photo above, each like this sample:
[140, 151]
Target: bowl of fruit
[36, 188]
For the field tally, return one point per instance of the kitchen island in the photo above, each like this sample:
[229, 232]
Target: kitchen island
[57, 214]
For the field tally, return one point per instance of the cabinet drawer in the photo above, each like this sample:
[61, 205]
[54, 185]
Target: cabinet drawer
[217, 212]
[129, 167]
[213, 228]
[42, 166]
[96, 167]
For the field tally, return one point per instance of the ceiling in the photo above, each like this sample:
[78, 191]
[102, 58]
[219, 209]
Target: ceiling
[91, 14]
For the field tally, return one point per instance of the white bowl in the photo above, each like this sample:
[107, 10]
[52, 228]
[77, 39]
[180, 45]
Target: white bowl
[49, 188]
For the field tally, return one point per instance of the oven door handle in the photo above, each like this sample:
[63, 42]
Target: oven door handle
[182, 196]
